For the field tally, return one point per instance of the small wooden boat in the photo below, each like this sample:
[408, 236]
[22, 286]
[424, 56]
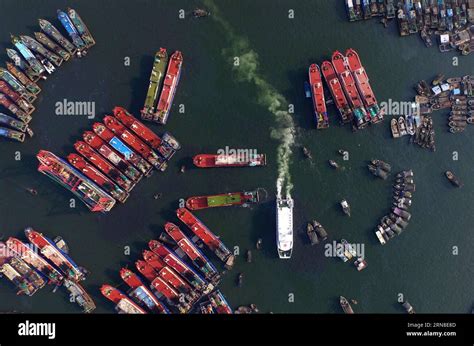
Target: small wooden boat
[407, 306]
[384, 165]
[333, 164]
[402, 127]
[459, 124]
[313, 237]
[456, 129]
[346, 307]
[320, 231]
[307, 153]
[346, 208]
[453, 179]
[394, 128]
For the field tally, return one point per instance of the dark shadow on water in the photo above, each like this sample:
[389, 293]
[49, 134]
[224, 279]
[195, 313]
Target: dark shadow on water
[303, 107]
[265, 219]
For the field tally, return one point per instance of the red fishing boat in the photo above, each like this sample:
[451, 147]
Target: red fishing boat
[59, 258]
[105, 166]
[317, 93]
[365, 90]
[116, 158]
[172, 260]
[360, 115]
[223, 160]
[5, 102]
[166, 273]
[97, 177]
[337, 93]
[123, 304]
[166, 290]
[141, 293]
[222, 200]
[146, 270]
[208, 238]
[129, 154]
[152, 139]
[13, 95]
[192, 252]
[170, 84]
[33, 259]
[67, 176]
[134, 142]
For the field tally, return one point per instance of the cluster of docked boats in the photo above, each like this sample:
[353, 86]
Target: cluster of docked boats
[175, 275]
[379, 168]
[111, 159]
[395, 222]
[350, 89]
[164, 76]
[33, 59]
[31, 266]
[450, 20]
[455, 93]
[347, 252]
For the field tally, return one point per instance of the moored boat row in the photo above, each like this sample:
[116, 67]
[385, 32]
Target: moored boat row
[173, 285]
[110, 160]
[30, 266]
[33, 59]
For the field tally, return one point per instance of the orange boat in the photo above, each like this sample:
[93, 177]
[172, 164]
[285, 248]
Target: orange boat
[317, 93]
[170, 84]
[365, 90]
[123, 304]
[223, 160]
[337, 93]
[361, 117]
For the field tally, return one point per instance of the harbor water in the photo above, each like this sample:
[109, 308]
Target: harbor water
[430, 263]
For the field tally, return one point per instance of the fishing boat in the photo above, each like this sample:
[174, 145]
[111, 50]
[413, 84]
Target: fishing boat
[12, 134]
[54, 33]
[333, 164]
[134, 142]
[321, 232]
[408, 308]
[200, 13]
[284, 226]
[37, 279]
[72, 31]
[219, 303]
[51, 45]
[363, 85]
[360, 264]
[30, 86]
[453, 179]
[5, 102]
[168, 91]
[86, 190]
[402, 127]
[192, 252]
[23, 285]
[81, 27]
[79, 295]
[346, 207]
[35, 46]
[16, 85]
[98, 178]
[27, 54]
[114, 157]
[20, 63]
[166, 146]
[224, 160]
[126, 152]
[223, 200]
[337, 92]
[346, 306]
[156, 77]
[140, 293]
[360, 115]
[31, 257]
[58, 257]
[319, 102]
[171, 259]
[27, 107]
[210, 239]
[123, 304]
[104, 166]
